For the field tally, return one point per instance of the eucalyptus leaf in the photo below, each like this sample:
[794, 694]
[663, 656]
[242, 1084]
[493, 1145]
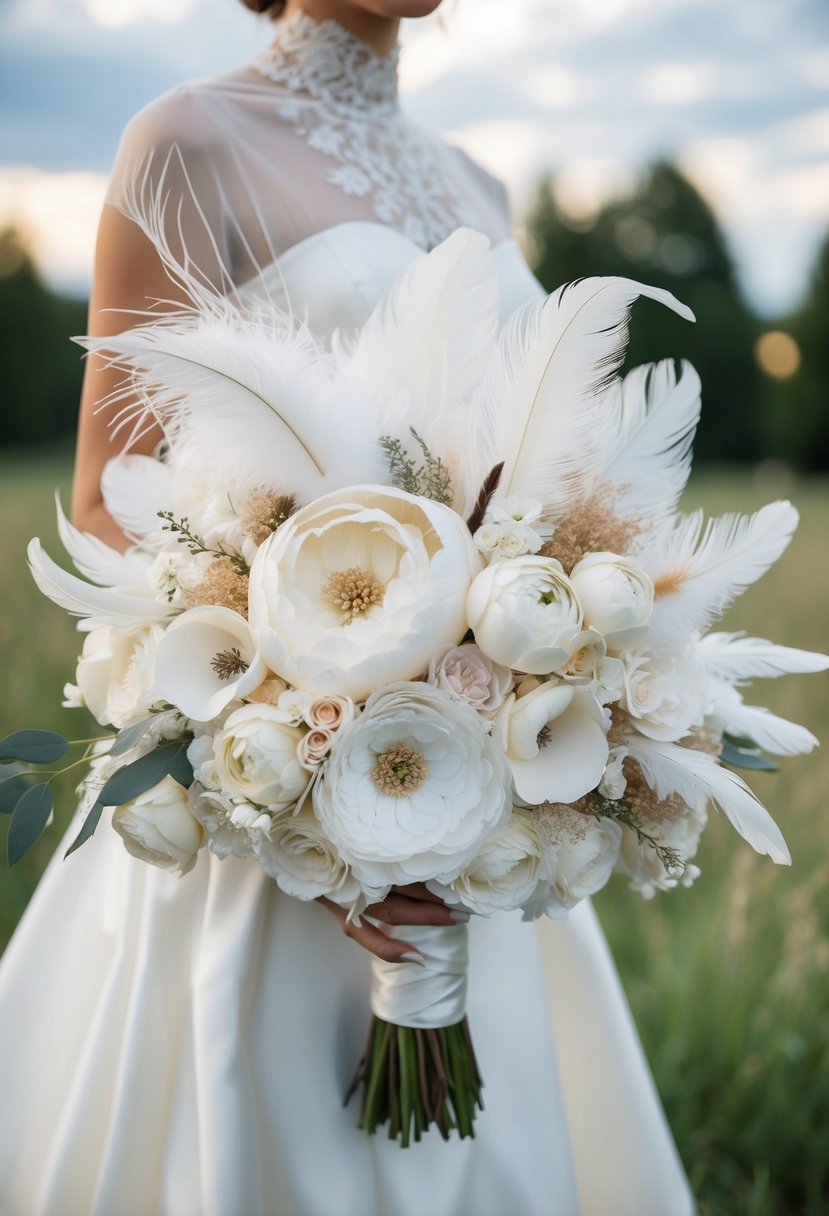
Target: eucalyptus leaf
[130, 736]
[748, 758]
[34, 746]
[13, 784]
[142, 774]
[88, 826]
[28, 821]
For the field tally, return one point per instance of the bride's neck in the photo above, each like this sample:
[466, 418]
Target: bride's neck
[379, 32]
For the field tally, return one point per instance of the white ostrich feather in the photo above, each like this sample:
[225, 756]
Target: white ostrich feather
[425, 345]
[699, 569]
[738, 658]
[97, 606]
[649, 442]
[135, 488]
[730, 715]
[253, 394]
[543, 407]
[670, 769]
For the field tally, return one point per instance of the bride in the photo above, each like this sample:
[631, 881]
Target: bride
[180, 1047]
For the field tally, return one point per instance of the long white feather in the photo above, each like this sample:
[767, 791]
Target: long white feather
[649, 442]
[260, 397]
[97, 606]
[670, 769]
[698, 571]
[774, 734]
[544, 402]
[100, 563]
[425, 345]
[738, 658]
[135, 488]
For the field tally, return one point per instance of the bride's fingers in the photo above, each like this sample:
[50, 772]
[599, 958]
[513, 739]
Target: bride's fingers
[400, 910]
[391, 949]
[418, 890]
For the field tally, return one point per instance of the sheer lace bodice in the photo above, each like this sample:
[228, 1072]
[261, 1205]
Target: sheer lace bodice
[307, 136]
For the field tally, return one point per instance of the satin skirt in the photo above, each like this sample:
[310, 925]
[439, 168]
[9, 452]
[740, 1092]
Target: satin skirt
[180, 1047]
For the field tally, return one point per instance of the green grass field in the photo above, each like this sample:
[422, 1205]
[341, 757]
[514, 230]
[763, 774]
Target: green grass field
[729, 981]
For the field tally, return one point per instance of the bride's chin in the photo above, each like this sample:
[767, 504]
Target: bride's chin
[407, 8]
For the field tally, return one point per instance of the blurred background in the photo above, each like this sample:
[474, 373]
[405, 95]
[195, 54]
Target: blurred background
[682, 142]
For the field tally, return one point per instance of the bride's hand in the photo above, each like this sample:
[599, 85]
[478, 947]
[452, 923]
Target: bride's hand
[411, 905]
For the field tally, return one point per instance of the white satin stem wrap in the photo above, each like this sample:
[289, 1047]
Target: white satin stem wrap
[424, 997]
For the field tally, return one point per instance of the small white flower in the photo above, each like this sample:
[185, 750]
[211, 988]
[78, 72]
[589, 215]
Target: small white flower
[72, 697]
[158, 826]
[294, 705]
[591, 666]
[233, 828]
[613, 783]
[498, 541]
[616, 595]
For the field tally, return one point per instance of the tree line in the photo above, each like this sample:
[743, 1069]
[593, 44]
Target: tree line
[664, 234]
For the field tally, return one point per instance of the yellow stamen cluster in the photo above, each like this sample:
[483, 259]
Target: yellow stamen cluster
[591, 526]
[222, 585]
[353, 591]
[400, 771]
[264, 512]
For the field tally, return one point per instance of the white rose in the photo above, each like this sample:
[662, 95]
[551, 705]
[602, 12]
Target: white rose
[641, 863]
[313, 747]
[525, 614]
[206, 659]
[665, 695]
[255, 757]
[329, 713]
[506, 870]
[158, 827]
[412, 787]
[616, 595]
[360, 588]
[586, 848]
[302, 859]
[555, 742]
[116, 673]
[466, 672]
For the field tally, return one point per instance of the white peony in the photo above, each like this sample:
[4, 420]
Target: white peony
[206, 659]
[505, 872]
[116, 673]
[255, 758]
[360, 588]
[301, 858]
[616, 595]
[412, 787]
[525, 614]
[158, 827]
[555, 742]
[666, 695]
[466, 672]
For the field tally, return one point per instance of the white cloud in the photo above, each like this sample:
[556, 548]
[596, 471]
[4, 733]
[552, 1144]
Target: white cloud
[57, 215]
[129, 12]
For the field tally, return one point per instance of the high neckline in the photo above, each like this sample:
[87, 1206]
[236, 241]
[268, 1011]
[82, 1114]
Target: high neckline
[328, 63]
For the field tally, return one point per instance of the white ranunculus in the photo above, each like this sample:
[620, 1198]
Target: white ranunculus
[157, 826]
[206, 659]
[302, 859]
[466, 672]
[555, 742]
[616, 595]
[640, 862]
[505, 872]
[412, 787]
[116, 673]
[255, 757]
[666, 695]
[360, 588]
[525, 614]
[586, 851]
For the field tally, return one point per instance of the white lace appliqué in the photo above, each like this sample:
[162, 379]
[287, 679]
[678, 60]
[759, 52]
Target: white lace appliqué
[343, 103]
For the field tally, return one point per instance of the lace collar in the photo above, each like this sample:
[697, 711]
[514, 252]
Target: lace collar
[330, 64]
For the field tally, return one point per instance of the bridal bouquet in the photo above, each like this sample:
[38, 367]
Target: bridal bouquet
[415, 608]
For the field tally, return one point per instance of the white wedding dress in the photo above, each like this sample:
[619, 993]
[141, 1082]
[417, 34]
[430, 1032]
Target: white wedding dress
[180, 1047]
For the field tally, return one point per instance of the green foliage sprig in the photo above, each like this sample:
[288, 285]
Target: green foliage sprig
[185, 536]
[429, 479]
[622, 812]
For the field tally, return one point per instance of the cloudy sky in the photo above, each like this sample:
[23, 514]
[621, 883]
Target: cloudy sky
[737, 91]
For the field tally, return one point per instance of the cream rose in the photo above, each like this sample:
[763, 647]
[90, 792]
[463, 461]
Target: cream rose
[360, 588]
[158, 827]
[586, 851]
[255, 757]
[506, 870]
[616, 595]
[525, 614]
[666, 695]
[301, 858]
[555, 742]
[116, 673]
[466, 672]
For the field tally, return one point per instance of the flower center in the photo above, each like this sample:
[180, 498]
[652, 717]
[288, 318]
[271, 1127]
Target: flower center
[543, 737]
[400, 770]
[228, 663]
[548, 597]
[353, 591]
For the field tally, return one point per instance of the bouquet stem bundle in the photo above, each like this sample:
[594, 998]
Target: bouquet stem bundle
[414, 1078]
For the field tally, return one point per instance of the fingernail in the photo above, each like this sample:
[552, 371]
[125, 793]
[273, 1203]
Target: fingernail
[460, 917]
[413, 957]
